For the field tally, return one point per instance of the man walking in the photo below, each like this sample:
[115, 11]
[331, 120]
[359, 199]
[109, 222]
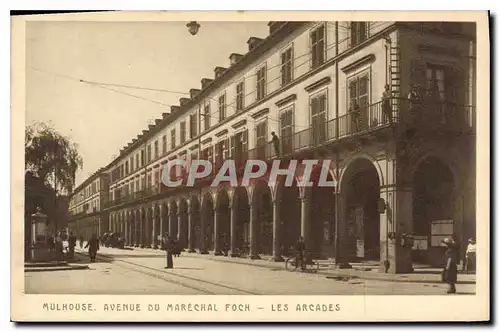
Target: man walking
[93, 245]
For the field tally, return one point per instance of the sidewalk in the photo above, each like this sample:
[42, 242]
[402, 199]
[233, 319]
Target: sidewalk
[327, 268]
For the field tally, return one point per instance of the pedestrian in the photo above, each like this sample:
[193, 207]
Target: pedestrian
[355, 114]
[470, 256]
[386, 103]
[93, 245]
[59, 247]
[300, 249]
[276, 143]
[169, 257]
[71, 245]
[449, 274]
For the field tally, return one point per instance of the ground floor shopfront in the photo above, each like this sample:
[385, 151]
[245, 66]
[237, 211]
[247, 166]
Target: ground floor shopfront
[379, 205]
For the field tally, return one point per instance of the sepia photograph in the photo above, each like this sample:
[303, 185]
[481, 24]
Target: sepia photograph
[331, 157]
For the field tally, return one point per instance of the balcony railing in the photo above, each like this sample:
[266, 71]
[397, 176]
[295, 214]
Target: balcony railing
[362, 121]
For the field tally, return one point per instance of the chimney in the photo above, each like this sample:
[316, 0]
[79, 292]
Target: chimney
[174, 109]
[157, 121]
[234, 57]
[151, 127]
[134, 140]
[193, 92]
[164, 115]
[274, 25]
[218, 71]
[183, 101]
[144, 132]
[205, 82]
[253, 42]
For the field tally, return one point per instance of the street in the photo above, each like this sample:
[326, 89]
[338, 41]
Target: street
[142, 272]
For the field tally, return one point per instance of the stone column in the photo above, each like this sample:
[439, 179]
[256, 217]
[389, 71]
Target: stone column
[277, 232]
[160, 216]
[179, 228]
[254, 222]
[341, 252]
[203, 242]
[154, 234]
[217, 227]
[136, 229]
[142, 221]
[396, 220]
[234, 234]
[305, 223]
[191, 230]
[125, 227]
[172, 219]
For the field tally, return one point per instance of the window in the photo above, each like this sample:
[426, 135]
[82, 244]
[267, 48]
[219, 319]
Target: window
[131, 163]
[239, 148]
[143, 157]
[206, 116]
[126, 167]
[149, 153]
[318, 118]
[286, 66]
[183, 132]
[137, 161]
[317, 37]
[157, 150]
[148, 183]
[358, 32]
[261, 135]
[164, 144]
[207, 154]
[358, 99]
[221, 152]
[193, 125]
[222, 107]
[261, 82]
[286, 130]
[172, 139]
[435, 76]
[240, 96]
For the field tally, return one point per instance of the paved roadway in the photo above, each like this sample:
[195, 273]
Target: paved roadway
[142, 272]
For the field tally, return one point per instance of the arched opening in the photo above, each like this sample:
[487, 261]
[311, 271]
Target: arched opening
[290, 216]
[433, 187]
[322, 200]
[207, 222]
[183, 224]
[223, 218]
[242, 222]
[262, 206]
[361, 191]
[195, 224]
[173, 220]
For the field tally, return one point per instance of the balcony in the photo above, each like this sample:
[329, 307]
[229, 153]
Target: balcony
[353, 125]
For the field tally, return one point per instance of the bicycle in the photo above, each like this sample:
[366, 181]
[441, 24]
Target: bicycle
[310, 265]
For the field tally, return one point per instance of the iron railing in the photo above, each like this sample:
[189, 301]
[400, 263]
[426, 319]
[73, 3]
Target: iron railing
[432, 115]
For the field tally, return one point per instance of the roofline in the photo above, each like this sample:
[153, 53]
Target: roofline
[267, 43]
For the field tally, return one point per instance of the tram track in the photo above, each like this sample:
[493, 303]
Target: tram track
[181, 279]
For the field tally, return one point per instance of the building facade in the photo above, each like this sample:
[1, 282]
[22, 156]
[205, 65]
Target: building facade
[404, 165]
[87, 215]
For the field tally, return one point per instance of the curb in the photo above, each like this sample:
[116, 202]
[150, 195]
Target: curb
[58, 268]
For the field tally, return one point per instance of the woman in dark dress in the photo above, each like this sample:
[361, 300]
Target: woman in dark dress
[450, 269]
[93, 245]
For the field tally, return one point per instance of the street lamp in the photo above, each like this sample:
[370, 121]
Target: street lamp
[193, 27]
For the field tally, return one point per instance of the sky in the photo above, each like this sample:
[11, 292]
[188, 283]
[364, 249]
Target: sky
[159, 55]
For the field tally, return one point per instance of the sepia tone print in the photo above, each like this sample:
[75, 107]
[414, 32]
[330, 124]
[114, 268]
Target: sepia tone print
[386, 108]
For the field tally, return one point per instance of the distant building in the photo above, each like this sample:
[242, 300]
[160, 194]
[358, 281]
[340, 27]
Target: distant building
[86, 215]
[402, 166]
